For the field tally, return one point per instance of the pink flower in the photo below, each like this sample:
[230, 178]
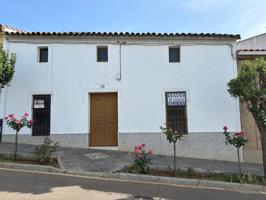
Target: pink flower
[225, 128]
[143, 145]
[139, 156]
[135, 150]
[26, 114]
[30, 121]
[10, 115]
[240, 134]
[18, 121]
[13, 118]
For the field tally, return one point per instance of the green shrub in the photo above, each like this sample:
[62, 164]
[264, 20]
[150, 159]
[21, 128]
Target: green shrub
[44, 152]
[142, 159]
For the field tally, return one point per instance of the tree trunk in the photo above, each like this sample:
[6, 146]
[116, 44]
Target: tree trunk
[262, 129]
[238, 162]
[175, 159]
[16, 145]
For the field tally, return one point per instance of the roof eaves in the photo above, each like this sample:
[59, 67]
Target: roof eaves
[126, 34]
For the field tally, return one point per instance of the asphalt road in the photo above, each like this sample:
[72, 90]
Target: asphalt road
[18, 185]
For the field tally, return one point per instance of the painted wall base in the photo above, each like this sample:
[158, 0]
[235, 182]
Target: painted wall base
[64, 140]
[193, 145]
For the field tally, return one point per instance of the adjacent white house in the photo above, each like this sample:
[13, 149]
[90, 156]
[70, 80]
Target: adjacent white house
[87, 89]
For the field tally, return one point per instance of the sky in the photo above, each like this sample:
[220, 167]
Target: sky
[244, 17]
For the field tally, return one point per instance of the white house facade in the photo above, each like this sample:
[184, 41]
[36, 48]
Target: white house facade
[116, 89]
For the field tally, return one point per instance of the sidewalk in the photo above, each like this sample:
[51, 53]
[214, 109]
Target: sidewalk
[109, 161]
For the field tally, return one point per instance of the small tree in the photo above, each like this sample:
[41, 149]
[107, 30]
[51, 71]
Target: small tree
[250, 87]
[172, 136]
[7, 67]
[237, 140]
[17, 125]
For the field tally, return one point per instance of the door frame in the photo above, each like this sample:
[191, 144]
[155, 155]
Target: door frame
[89, 115]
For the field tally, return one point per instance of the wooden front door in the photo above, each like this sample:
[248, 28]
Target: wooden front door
[103, 119]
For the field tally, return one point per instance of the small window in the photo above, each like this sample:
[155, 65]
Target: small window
[43, 54]
[176, 111]
[102, 54]
[174, 54]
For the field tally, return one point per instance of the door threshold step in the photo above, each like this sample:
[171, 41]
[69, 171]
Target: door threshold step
[105, 148]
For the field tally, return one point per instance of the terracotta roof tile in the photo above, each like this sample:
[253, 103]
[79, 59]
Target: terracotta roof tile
[126, 34]
[9, 29]
[251, 50]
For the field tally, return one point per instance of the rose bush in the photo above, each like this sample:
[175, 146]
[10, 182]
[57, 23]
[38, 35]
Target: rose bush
[237, 140]
[142, 159]
[17, 125]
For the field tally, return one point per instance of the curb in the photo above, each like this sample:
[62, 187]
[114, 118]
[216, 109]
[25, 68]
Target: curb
[139, 178]
[30, 167]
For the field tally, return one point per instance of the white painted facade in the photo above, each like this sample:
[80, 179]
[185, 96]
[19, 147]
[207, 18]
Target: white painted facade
[72, 73]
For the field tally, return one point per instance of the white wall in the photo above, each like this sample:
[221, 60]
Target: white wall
[72, 72]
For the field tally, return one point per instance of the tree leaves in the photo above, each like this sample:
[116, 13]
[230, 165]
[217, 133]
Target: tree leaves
[7, 67]
[250, 87]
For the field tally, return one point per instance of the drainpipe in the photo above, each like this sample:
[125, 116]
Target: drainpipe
[119, 78]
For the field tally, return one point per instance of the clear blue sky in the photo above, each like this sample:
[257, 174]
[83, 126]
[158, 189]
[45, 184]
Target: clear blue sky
[246, 17]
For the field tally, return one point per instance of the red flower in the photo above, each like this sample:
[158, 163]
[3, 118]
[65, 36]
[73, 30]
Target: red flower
[30, 121]
[143, 145]
[225, 128]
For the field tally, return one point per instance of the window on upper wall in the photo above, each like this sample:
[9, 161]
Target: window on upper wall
[43, 54]
[176, 111]
[102, 54]
[174, 54]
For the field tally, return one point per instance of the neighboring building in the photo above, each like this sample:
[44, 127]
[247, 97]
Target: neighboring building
[5, 28]
[249, 49]
[116, 89]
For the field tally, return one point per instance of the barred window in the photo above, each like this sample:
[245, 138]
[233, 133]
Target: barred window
[176, 111]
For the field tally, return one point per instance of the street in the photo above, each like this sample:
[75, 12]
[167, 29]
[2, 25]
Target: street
[18, 185]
